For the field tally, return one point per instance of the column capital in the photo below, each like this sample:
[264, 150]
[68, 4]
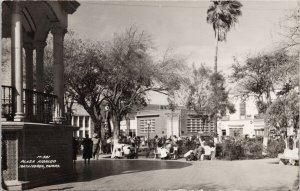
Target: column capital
[39, 45]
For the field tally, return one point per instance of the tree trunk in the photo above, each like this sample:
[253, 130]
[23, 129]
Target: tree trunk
[107, 119]
[116, 123]
[97, 127]
[216, 53]
[216, 126]
[128, 124]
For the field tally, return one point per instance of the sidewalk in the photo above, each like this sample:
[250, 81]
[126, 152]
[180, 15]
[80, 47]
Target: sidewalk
[139, 174]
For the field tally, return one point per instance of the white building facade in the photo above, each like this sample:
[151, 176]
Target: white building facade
[245, 121]
[82, 119]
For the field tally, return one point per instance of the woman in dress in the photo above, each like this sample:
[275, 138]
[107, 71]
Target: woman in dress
[87, 144]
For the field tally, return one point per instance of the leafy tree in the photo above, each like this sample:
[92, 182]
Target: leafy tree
[223, 15]
[5, 54]
[261, 75]
[284, 111]
[206, 94]
[132, 73]
[81, 60]
[117, 74]
[291, 31]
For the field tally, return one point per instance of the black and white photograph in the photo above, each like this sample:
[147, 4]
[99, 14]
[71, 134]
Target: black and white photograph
[150, 95]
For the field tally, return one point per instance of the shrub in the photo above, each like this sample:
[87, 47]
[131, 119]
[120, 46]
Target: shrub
[232, 149]
[275, 147]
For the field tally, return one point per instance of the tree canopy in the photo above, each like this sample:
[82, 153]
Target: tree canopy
[116, 73]
[263, 75]
[223, 15]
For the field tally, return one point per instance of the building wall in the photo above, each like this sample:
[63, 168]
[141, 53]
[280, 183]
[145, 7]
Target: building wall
[192, 124]
[244, 121]
[157, 126]
[183, 123]
[132, 129]
[85, 123]
[82, 119]
[34, 142]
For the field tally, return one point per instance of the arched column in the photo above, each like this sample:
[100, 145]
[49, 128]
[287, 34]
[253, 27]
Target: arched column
[58, 73]
[39, 47]
[17, 67]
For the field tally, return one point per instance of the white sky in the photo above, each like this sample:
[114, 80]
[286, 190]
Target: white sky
[182, 27]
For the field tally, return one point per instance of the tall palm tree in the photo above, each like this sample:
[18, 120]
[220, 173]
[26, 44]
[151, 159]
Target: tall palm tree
[223, 14]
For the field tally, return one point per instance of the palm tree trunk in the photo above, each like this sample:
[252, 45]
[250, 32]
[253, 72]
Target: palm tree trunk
[216, 53]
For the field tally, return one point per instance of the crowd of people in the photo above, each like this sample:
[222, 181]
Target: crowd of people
[128, 147]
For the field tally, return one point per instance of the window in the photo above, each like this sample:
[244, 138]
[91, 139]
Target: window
[259, 132]
[223, 132]
[197, 125]
[86, 133]
[243, 108]
[86, 121]
[81, 121]
[144, 125]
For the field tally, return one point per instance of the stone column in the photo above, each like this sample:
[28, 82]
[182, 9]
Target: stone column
[29, 65]
[39, 47]
[58, 73]
[29, 79]
[16, 46]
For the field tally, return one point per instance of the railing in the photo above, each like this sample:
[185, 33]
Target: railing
[8, 104]
[38, 107]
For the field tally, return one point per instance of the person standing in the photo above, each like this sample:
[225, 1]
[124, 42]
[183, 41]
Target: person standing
[75, 149]
[87, 144]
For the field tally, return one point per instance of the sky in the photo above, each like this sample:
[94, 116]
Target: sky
[182, 27]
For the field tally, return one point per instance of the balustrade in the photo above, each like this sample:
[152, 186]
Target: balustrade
[38, 107]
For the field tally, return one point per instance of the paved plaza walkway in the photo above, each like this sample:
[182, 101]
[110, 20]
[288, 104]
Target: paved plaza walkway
[123, 174]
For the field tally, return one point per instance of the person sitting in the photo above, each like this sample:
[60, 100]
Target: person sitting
[128, 152]
[207, 152]
[198, 151]
[189, 156]
[174, 153]
[164, 153]
[117, 150]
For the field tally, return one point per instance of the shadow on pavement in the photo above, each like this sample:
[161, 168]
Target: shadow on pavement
[66, 188]
[109, 167]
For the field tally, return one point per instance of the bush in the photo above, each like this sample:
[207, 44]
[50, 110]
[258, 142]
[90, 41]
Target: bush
[232, 149]
[275, 147]
[185, 145]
